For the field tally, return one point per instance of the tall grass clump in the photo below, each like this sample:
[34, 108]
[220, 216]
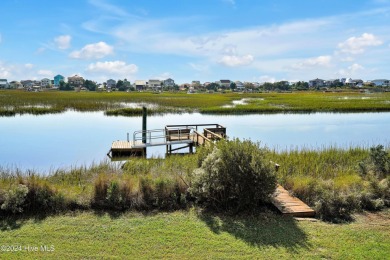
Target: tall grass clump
[235, 176]
[376, 171]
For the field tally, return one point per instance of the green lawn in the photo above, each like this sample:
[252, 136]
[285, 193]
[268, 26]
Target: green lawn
[192, 234]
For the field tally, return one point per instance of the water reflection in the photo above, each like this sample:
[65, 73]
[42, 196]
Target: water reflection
[74, 138]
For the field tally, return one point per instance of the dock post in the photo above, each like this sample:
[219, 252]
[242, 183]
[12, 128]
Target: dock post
[144, 127]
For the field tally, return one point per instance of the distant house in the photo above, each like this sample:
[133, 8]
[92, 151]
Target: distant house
[27, 83]
[316, 83]
[4, 83]
[169, 83]
[381, 82]
[195, 84]
[45, 82]
[58, 79]
[239, 86]
[140, 85]
[353, 82]
[76, 81]
[15, 85]
[155, 84]
[110, 84]
[331, 82]
[224, 83]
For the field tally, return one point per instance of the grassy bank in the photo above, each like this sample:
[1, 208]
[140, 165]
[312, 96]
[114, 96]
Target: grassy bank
[336, 182]
[194, 234]
[117, 103]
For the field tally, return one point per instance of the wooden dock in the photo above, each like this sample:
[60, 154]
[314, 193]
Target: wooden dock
[289, 205]
[172, 135]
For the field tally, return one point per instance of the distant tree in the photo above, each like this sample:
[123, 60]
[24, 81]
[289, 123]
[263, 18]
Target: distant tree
[212, 86]
[301, 85]
[268, 86]
[90, 85]
[281, 85]
[233, 86]
[65, 86]
[120, 85]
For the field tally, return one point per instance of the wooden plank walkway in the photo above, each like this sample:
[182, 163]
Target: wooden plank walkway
[289, 205]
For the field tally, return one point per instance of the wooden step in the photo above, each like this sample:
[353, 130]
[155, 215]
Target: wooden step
[289, 205]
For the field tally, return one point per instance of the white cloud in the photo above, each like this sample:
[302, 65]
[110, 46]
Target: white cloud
[119, 68]
[63, 41]
[234, 60]
[356, 45]
[45, 73]
[266, 78]
[162, 76]
[93, 51]
[199, 67]
[29, 66]
[321, 61]
[351, 71]
[5, 71]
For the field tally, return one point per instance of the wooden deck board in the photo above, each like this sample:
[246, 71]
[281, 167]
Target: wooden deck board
[290, 205]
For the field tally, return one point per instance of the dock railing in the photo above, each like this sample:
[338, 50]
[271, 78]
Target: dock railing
[172, 134]
[162, 136]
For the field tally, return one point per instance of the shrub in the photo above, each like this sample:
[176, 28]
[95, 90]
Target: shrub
[114, 198]
[100, 189]
[147, 190]
[42, 197]
[337, 206]
[15, 198]
[381, 160]
[236, 176]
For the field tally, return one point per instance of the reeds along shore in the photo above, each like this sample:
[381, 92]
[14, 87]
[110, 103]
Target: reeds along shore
[336, 182]
[19, 102]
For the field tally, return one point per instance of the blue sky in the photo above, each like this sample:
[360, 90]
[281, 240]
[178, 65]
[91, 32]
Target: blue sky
[206, 40]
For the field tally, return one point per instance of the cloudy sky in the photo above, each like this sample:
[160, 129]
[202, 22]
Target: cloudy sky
[206, 40]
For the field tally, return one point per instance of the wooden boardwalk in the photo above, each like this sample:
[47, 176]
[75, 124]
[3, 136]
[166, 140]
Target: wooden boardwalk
[289, 205]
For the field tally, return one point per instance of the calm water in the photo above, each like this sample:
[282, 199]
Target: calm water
[70, 139]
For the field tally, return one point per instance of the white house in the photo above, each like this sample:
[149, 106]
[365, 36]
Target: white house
[110, 84]
[15, 85]
[239, 85]
[45, 82]
[140, 84]
[155, 84]
[169, 83]
[381, 82]
[224, 83]
[3, 83]
[316, 83]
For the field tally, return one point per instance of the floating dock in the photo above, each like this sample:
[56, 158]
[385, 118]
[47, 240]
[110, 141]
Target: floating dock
[289, 205]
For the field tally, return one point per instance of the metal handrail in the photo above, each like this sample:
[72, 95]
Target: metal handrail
[164, 134]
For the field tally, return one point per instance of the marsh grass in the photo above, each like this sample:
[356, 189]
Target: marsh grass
[15, 102]
[331, 180]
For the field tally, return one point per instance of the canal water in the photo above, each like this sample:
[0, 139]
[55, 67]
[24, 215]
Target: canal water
[48, 142]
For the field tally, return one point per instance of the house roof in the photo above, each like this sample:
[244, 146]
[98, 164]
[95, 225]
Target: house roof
[225, 81]
[140, 82]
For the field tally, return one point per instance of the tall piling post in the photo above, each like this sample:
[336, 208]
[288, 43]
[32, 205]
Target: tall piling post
[144, 127]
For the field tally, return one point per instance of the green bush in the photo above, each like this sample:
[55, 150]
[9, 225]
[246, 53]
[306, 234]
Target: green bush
[114, 197]
[15, 198]
[337, 206]
[43, 198]
[236, 175]
[381, 160]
